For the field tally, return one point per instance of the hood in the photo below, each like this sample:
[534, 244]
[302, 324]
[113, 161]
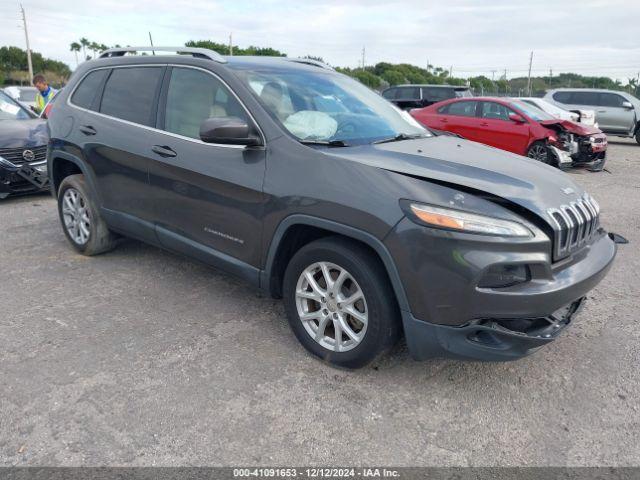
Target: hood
[523, 181]
[23, 133]
[572, 127]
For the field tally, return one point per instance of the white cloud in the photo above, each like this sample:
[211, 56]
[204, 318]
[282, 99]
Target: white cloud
[589, 36]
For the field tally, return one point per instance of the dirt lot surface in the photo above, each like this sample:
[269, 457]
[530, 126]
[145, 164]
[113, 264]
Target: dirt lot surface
[140, 357]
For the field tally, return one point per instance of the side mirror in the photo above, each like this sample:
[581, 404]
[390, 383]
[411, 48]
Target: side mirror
[514, 117]
[627, 105]
[228, 131]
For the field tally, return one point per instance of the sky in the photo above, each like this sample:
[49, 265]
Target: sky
[589, 37]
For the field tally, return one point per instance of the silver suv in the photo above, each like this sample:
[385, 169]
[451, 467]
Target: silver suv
[617, 113]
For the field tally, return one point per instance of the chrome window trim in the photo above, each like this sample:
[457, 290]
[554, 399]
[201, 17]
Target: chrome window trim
[171, 134]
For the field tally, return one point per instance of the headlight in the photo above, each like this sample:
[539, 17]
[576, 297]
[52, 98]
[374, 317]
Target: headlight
[467, 222]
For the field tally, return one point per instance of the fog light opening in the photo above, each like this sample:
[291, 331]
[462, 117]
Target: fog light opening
[502, 276]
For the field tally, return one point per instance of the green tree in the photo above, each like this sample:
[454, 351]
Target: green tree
[393, 77]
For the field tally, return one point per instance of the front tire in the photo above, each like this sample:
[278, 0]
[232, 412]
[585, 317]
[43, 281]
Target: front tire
[80, 218]
[540, 151]
[339, 302]
[638, 135]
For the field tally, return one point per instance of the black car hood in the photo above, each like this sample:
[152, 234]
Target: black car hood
[23, 133]
[528, 183]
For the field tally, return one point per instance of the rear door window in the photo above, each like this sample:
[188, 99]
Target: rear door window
[438, 94]
[463, 109]
[86, 92]
[584, 98]
[130, 94]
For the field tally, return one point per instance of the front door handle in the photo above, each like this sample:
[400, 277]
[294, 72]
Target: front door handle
[88, 130]
[444, 120]
[484, 124]
[164, 151]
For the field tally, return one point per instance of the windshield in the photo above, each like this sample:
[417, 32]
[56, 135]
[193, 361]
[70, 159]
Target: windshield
[532, 112]
[316, 106]
[10, 110]
[28, 94]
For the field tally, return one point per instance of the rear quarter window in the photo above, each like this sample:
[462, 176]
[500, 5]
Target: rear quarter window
[86, 92]
[389, 94]
[408, 93]
[562, 97]
[130, 92]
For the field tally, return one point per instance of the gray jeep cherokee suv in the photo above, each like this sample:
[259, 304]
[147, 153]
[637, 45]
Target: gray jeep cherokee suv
[308, 185]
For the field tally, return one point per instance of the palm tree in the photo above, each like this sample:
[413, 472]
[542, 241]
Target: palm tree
[94, 47]
[85, 43]
[75, 48]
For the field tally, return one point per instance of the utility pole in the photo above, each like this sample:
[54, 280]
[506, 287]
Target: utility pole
[363, 57]
[450, 70]
[550, 76]
[26, 36]
[231, 44]
[529, 79]
[493, 74]
[151, 42]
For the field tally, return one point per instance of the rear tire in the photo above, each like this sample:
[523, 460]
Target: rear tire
[320, 312]
[540, 151]
[638, 135]
[80, 218]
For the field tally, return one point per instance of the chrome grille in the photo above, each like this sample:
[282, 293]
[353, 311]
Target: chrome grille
[15, 155]
[574, 224]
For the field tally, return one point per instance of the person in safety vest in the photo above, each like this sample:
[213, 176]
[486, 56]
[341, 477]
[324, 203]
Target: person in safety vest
[45, 93]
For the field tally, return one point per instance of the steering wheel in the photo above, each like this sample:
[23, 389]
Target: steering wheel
[345, 129]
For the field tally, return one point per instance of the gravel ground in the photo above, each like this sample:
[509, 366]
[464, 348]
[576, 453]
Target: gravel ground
[140, 357]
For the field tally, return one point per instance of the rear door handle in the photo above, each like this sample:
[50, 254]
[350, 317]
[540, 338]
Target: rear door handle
[164, 151]
[484, 124]
[88, 130]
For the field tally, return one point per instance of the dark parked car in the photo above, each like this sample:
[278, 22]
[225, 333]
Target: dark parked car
[418, 96]
[23, 147]
[307, 184]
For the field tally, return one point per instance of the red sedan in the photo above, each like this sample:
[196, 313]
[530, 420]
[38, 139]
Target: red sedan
[518, 127]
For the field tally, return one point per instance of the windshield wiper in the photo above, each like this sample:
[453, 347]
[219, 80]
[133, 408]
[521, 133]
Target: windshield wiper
[401, 136]
[328, 143]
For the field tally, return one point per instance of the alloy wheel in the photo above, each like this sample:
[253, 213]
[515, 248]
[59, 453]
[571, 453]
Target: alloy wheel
[332, 306]
[538, 152]
[75, 213]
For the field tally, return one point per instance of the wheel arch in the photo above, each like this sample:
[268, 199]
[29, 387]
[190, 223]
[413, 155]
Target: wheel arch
[297, 230]
[63, 164]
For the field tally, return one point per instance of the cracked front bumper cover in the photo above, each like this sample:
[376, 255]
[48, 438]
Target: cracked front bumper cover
[487, 339]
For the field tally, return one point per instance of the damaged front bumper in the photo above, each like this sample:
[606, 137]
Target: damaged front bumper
[487, 339]
[581, 151]
[21, 179]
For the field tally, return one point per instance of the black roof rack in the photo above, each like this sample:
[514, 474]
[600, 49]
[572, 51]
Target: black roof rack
[196, 52]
